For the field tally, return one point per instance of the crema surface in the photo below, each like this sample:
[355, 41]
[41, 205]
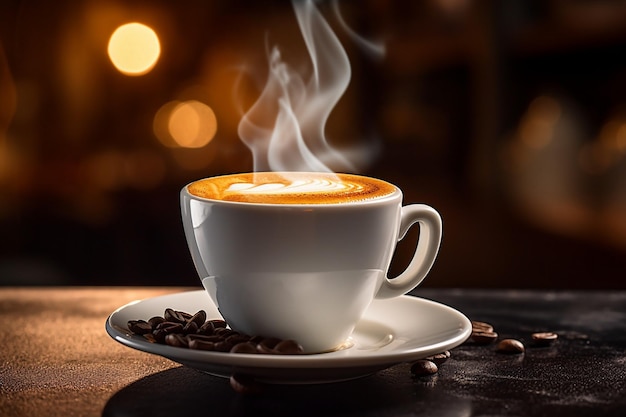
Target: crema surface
[291, 188]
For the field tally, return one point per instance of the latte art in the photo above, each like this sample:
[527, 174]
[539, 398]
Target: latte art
[313, 185]
[291, 188]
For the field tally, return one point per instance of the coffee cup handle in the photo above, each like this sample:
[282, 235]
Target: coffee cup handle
[425, 252]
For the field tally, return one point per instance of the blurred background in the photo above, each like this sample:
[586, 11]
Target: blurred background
[508, 117]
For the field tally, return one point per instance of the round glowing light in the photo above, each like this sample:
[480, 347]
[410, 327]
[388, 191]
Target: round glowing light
[192, 124]
[160, 124]
[134, 48]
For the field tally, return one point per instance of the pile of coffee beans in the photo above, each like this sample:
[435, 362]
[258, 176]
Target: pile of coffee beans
[194, 331]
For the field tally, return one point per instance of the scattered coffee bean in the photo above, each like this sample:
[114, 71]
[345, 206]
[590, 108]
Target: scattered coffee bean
[139, 327]
[423, 367]
[181, 329]
[439, 358]
[481, 326]
[544, 338]
[245, 384]
[484, 338]
[511, 346]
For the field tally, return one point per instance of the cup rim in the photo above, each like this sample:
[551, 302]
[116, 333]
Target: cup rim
[396, 194]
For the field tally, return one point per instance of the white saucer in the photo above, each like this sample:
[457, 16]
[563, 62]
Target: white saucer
[392, 331]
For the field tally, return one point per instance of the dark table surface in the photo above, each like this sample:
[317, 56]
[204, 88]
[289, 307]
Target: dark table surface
[57, 360]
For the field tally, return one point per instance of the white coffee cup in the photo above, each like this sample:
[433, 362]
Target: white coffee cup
[304, 270]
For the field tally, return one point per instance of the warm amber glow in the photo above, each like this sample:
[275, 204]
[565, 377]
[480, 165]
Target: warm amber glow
[194, 159]
[545, 108]
[160, 124]
[113, 170]
[134, 48]
[620, 138]
[537, 128]
[192, 124]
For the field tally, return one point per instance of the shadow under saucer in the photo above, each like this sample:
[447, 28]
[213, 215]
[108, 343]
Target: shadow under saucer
[182, 390]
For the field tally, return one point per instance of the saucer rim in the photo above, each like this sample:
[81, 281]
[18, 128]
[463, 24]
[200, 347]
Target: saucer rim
[329, 360]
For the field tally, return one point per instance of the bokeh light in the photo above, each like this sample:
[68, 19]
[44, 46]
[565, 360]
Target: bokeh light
[537, 129]
[186, 124]
[160, 124]
[134, 49]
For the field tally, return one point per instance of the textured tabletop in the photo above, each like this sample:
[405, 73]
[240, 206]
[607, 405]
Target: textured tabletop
[56, 359]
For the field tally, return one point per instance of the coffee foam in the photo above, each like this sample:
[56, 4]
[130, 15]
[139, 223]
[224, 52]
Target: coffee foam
[291, 188]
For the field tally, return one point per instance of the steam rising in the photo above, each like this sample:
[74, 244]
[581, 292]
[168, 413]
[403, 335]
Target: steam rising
[285, 128]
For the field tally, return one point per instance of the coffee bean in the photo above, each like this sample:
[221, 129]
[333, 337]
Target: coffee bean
[204, 338]
[150, 338]
[199, 318]
[439, 358]
[170, 327]
[288, 347]
[181, 329]
[267, 344]
[155, 321]
[424, 367]
[176, 340]
[484, 338]
[139, 327]
[244, 347]
[190, 327]
[176, 316]
[199, 344]
[245, 384]
[237, 338]
[481, 326]
[218, 323]
[224, 332]
[207, 328]
[223, 346]
[544, 338]
[511, 346]
[165, 328]
[159, 335]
